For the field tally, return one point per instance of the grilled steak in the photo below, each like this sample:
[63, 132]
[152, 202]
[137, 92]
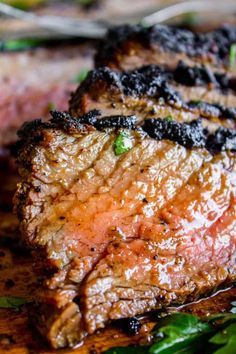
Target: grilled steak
[129, 215]
[127, 47]
[33, 82]
[184, 93]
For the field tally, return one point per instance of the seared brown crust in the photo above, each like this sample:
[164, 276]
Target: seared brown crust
[129, 47]
[153, 92]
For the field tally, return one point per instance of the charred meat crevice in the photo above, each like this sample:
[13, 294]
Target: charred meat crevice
[187, 134]
[152, 82]
[214, 45]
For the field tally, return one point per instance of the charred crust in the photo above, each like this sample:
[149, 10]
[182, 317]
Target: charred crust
[223, 139]
[212, 110]
[215, 44]
[186, 134]
[199, 76]
[155, 82]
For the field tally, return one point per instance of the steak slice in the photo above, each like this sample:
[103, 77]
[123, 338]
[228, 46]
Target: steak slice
[127, 47]
[184, 93]
[32, 82]
[124, 231]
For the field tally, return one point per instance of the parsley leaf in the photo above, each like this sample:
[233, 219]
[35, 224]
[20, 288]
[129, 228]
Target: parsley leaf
[81, 76]
[12, 302]
[232, 55]
[23, 4]
[122, 143]
[19, 44]
[187, 334]
[169, 118]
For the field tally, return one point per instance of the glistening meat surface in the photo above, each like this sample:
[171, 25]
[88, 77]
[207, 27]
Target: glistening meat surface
[127, 233]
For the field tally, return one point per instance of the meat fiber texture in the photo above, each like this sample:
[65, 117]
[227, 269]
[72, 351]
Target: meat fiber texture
[126, 233]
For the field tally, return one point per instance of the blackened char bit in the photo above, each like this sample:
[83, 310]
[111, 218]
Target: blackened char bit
[186, 134]
[223, 139]
[216, 43]
[199, 76]
[130, 326]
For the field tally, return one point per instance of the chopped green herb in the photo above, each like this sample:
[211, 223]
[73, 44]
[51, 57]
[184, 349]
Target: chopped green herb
[81, 76]
[23, 4]
[19, 44]
[51, 106]
[86, 3]
[195, 102]
[232, 55]
[190, 19]
[12, 302]
[169, 118]
[122, 143]
[187, 334]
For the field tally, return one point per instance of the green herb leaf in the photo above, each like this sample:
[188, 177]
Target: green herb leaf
[195, 102]
[169, 118]
[19, 44]
[23, 4]
[122, 143]
[81, 76]
[190, 19]
[181, 333]
[12, 302]
[178, 332]
[86, 3]
[51, 106]
[229, 348]
[232, 55]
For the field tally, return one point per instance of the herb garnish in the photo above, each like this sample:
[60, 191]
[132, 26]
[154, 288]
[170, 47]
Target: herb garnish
[81, 76]
[122, 143]
[169, 118]
[19, 44]
[195, 102]
[12, 302]
[184, 333]
[86, 3]
[232, 55]
[23, 4]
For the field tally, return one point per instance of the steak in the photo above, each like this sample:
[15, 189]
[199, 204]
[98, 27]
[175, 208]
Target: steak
[127, 47]
[33, 82]
[129, 216]
[184, 93]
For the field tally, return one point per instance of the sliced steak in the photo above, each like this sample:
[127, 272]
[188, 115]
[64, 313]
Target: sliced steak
[36, 81]
[184, 93]
[127, 47]
[130, 216]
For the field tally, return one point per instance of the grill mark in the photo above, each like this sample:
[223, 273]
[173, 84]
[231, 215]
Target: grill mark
[187, 134]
